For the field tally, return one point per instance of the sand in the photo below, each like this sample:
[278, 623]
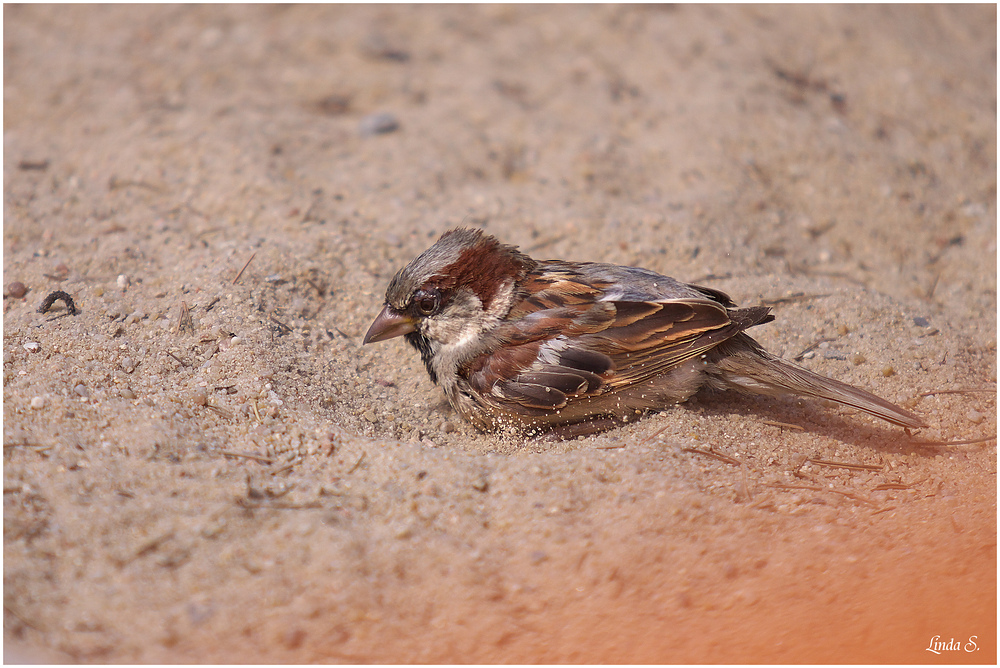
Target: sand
[204, 464]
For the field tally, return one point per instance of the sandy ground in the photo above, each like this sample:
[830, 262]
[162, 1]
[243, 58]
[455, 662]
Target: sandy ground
[205, 465]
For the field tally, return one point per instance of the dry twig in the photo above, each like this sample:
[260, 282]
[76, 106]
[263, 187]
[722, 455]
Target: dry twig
[244, 268]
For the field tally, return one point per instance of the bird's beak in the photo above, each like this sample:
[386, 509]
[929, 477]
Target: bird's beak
[389, 325]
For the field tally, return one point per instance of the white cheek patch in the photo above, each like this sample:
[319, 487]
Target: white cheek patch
[459, 325]
[468, 335]
[500, 304]
[482, 318]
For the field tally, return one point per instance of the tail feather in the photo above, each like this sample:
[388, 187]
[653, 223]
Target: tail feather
[750, 368]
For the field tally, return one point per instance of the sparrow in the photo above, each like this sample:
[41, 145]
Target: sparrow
[572, 348]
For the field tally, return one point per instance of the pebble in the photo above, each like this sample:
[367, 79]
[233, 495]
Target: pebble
[378, 46]
[370, 416]
[334, 104]
[293, 638]
[128, 364]
[974, 416]
[127, 394]
[888, 371]
[123, 281]
[17, 289]
[32, 346]
[379, 123]
[82, 390]
[38, 402]
[858, 358]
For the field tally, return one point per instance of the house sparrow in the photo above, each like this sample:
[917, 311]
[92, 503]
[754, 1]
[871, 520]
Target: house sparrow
[578, 347]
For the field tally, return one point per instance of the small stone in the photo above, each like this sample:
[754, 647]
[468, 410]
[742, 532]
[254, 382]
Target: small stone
[380, 47]
[199, 399]
[17, 289]
[123, 282]
[293, 638]
[127, 394]
[370, 416]
[334, 104]
[128, 364]
[32, 346]
[843, 330]
[38, 402]
[480, 484]
[379, 123]
[888, 371]
[858, 358]
[920, 321]
[82, 390]
[974, 416]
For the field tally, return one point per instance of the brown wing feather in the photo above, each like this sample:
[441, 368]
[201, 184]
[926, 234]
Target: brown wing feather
[512, 372]
[600, 346]
[554, 290]
[666, 343]
[677, 332]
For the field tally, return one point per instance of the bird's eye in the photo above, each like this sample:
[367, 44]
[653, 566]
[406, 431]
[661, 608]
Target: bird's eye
[427, 301]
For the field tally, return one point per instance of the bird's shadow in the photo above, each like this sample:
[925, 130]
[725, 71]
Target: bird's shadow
[850, 427]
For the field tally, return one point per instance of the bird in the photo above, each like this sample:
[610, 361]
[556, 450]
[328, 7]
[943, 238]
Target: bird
[564, 349]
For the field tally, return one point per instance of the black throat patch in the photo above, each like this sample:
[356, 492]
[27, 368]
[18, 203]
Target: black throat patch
[423, 344]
